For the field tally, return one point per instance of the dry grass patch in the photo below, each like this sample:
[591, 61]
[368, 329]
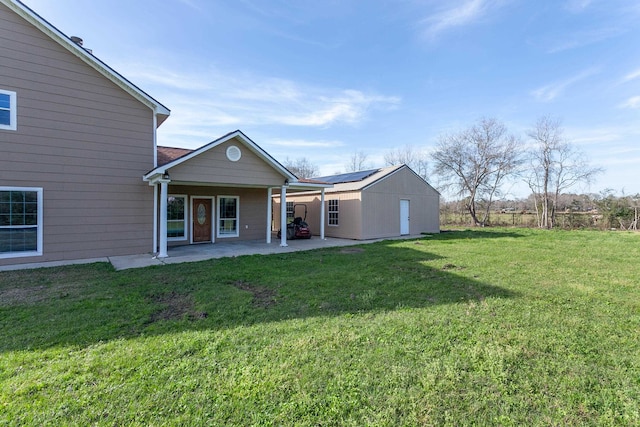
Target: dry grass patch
[351, 250]
[175, 307]
[262, 297]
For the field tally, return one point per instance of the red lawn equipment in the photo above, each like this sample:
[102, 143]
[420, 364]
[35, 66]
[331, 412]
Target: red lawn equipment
[298, 228]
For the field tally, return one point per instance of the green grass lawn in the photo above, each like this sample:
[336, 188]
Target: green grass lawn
[482, 327]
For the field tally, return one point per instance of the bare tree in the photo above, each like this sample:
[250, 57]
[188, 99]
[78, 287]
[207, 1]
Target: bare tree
[301, 167]
[555, 165]
[415, 158]
[357, 162]
[474, 163]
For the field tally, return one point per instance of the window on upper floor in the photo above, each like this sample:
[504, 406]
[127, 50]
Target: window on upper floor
[7, 110]
[20, 222]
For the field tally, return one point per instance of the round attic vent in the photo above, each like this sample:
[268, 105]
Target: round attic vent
[233, 153]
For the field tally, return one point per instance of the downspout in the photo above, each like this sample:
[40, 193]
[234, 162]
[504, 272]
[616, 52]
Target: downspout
[155, 218]
[164, 192]
[283, 215]
[155, 186]
[155, 138]
[322, 214]
[269, 207]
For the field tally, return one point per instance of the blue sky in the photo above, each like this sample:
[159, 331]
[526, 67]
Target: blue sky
[323, 79]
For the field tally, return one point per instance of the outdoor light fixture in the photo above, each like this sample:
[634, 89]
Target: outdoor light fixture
[286, 182]
[165, 175]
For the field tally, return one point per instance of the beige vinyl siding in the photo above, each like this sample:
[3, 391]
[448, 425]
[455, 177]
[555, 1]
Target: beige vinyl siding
[313, 210]
[350, 225]
[213, 166]
[383, 213]
[349, 216]
[81, 138]
[252, 206]
[374, 212]
[381, 202]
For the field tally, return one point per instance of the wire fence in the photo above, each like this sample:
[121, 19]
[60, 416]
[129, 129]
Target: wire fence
[563, 220]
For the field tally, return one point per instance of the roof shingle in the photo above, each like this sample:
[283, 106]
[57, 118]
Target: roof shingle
[169, 154]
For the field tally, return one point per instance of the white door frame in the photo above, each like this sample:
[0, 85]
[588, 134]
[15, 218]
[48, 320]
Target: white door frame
[405, 217]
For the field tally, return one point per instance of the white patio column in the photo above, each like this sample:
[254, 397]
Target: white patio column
[283, 216]
[269, 218]
[322, 214]
[164, 185]
[155, 218]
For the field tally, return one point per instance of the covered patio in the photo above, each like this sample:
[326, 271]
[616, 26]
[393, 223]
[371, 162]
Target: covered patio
[219, 193]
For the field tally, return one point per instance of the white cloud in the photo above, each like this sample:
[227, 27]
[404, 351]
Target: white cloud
[631, 76]
[551, 91]
[191, 4]
[584, 38]
[348, 106]
[164, 77]
[577, 6]
[587, 136]
[633, 103]
[214, 101]
[468, 12]
[595, 137]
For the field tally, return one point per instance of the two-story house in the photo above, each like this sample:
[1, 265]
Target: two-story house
[81, 175]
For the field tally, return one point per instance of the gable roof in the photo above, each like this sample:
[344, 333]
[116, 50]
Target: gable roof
[176, 156]
[22, 10]
[348, 177]
[361, 180]
[169, 157]
[169, 154]
[356, 181]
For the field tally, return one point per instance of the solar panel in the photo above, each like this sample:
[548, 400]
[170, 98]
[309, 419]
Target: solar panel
[347, 177]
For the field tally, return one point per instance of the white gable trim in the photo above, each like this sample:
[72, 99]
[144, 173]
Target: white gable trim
[370, 181]
[385, 175]
[392, 172]
[33, 18]
[235, 134]
[422, 179]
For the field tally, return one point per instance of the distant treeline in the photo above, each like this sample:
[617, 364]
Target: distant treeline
[574, 211]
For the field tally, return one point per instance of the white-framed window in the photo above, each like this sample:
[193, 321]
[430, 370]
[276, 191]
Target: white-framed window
[8, 109]
[20, 222]
[228, 216]
[333, 211]
[289, 212]
[177, 217]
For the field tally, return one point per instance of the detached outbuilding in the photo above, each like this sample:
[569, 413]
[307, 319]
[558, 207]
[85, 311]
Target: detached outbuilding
[371, 204]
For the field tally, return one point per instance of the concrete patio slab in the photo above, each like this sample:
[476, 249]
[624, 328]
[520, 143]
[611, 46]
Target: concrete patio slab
[49, 264]
[220, 249]
[192, 253]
